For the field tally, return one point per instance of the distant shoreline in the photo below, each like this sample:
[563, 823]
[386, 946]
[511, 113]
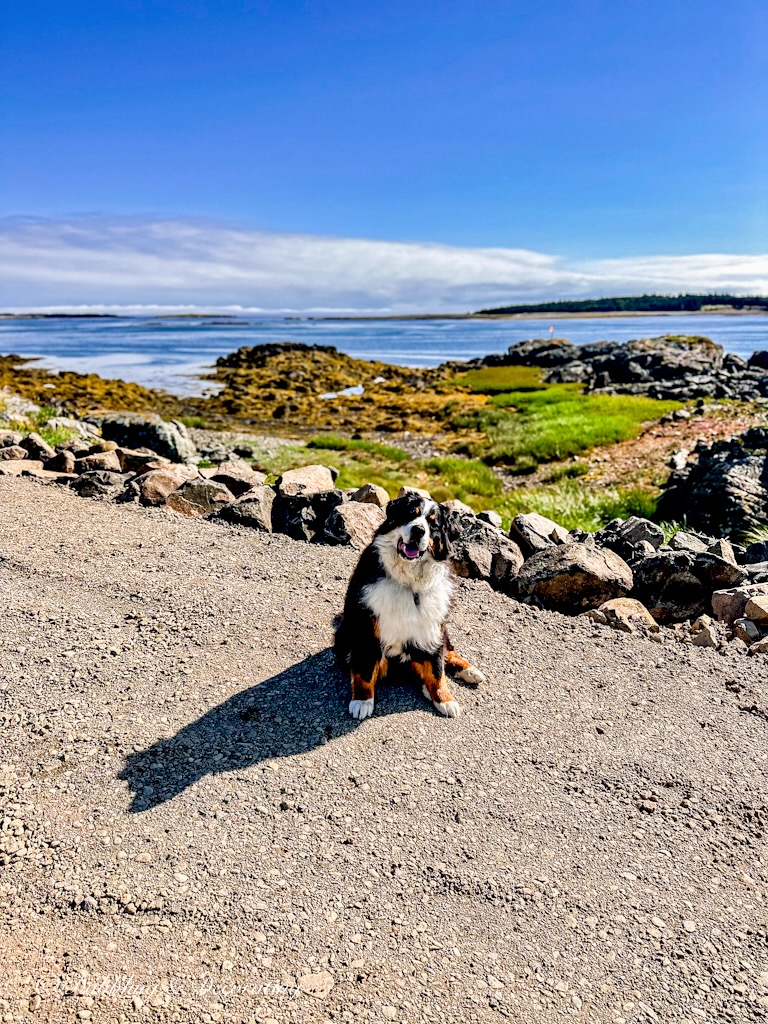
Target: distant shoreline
[378, 317]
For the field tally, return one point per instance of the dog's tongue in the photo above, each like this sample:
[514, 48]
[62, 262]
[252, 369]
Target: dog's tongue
[411, 550]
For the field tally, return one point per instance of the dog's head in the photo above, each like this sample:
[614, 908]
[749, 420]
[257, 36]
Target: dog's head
[416, 528]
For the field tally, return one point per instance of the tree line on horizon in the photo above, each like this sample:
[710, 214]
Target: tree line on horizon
[635, 304]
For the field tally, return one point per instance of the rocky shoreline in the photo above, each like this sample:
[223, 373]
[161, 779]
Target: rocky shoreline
[667, 367]
[706, 589]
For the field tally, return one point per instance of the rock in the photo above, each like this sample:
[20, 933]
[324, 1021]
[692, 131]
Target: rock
[475, 561]
[454, 505]
[761, 647]
[317, 985]
[154, 487]
[13, 452]
[757, 609]
[668, 587]
[724, 492]
[354, 523]
[98, 444]
[632, 539]
[480, 551]
[746, 630]
[705, 633]
[98, 484]
[573, 577]
[533, 532]
[304, 481]
[723, 549]
[625, 614]
[729, 605]
[716, 573]
[199, 497]
[683, 541]
[140, 460]
[490, 517]
[371, 494]
[9, 438]
[237, 476]
[36, 447]
[542, 352]
[294, 517]
[108, 462]
[254, 509]
[62, 462]
[413, 490]
[80, 427]
[169, 439]
[757, 552]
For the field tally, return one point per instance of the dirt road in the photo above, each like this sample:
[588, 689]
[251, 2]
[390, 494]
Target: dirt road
[194, 829]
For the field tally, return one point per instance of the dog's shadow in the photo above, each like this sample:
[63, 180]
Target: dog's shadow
[291, 713]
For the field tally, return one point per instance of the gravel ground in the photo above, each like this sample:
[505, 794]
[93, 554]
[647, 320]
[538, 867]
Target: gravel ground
[193, 829]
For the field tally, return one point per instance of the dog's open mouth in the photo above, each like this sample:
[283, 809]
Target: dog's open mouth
[409, 551]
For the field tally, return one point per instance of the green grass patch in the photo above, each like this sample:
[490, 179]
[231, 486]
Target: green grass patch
[568, 471]
[492, 380]
[526, 428]
[334, 442]
[195, 422]
[466, 479]
[573, 505]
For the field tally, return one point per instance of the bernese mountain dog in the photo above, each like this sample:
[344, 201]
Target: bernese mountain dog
[396, 607]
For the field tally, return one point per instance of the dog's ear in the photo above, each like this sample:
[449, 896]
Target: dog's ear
[441, 534]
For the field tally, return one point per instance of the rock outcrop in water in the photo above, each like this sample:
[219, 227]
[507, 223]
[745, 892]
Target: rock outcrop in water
[666, 367]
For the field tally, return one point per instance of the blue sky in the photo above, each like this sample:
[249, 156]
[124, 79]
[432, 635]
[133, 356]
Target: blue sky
[582, 132]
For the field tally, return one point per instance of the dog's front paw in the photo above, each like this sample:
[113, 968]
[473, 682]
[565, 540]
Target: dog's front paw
[361, 709]
[471, 675]
[448, 708]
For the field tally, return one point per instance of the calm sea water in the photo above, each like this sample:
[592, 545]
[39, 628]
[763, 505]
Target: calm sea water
[169, 353]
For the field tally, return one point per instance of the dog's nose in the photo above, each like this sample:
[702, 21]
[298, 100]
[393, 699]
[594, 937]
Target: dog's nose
[417, 532]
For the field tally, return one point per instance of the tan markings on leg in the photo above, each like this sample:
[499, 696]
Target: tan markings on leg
[362, 689]
[436, 688]
[454, 660]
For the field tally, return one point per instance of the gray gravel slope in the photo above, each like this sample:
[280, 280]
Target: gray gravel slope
[192, 826]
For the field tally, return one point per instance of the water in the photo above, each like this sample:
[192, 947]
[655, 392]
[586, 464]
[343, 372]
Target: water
[169, 353]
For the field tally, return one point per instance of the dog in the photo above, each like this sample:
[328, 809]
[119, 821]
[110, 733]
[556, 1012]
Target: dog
[396, 608]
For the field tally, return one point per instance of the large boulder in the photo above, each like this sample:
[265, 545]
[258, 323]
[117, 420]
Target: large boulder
[199, 498]
[730, 604]
[625, 614]
[353, 522]
[481, 551]
[98, 483]
[533, 532]
[253, 509]
[573, 577]
[108, 462]
[371, 494]
[36, 447]
[725, 491]
[669, 588]
[237, 476]
[168, 438]
[304, 481]
[154, 487]
[13, 452]
[633, 539]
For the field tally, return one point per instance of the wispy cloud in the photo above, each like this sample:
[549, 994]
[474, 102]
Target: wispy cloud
[132, 263]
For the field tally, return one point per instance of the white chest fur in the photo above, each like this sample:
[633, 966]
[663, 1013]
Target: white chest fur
[403, 620]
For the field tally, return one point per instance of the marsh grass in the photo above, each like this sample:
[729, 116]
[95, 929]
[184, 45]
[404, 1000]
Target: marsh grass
[493, 380]
[573, 505]
[526, 428]
[334, 442]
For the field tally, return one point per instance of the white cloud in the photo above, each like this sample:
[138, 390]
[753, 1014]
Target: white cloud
[130, 263]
